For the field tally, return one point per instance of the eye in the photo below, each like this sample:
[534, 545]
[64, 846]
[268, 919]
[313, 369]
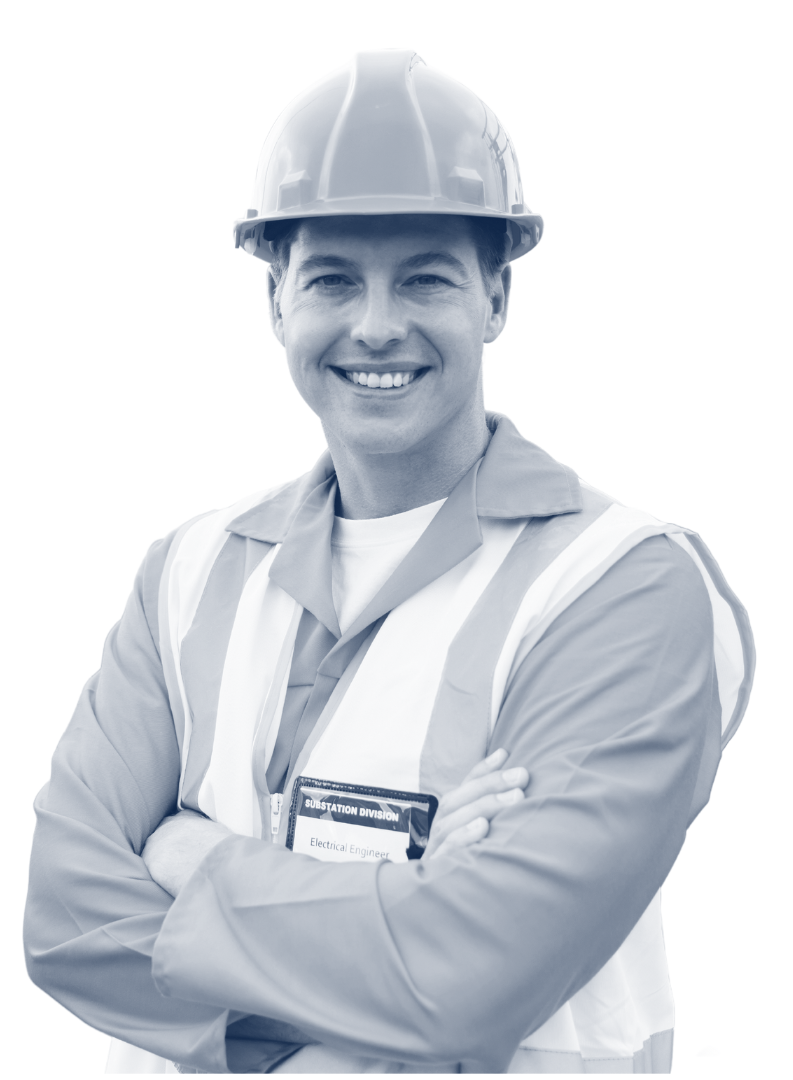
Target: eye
[427, 279]
[331, 282]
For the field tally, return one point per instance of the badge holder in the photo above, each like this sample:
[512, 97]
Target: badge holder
[347, 822]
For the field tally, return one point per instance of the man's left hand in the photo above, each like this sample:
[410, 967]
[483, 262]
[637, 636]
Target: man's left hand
[177, 846]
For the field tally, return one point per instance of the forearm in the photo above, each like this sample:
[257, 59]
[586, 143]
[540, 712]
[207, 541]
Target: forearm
[394, 961]
[93, 912]
[264, 907]
[90, 922]
[90, 931]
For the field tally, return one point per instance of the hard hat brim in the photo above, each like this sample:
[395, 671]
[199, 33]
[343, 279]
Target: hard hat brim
[387, 135]
[250, 233]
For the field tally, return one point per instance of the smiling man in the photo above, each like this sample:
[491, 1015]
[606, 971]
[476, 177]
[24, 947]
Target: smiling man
[383, 319]
[236, 865]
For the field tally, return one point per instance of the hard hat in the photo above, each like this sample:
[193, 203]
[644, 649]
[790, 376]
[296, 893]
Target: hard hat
[387, 135]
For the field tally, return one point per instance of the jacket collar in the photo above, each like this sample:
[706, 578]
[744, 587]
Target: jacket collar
[514, 479]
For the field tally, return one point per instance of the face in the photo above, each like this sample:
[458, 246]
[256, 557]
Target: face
[384, 320]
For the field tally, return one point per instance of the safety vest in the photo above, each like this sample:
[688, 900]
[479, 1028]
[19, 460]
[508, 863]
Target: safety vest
[468, 630]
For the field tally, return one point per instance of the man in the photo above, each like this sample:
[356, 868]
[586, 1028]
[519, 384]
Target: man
[435, 593]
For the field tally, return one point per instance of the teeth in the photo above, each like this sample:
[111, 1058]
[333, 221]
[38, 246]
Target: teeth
[384, 382]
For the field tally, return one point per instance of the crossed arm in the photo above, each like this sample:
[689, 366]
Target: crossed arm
[178, 846]
[614, 713]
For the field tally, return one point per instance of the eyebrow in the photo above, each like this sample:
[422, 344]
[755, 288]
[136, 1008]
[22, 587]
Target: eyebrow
[414, 262]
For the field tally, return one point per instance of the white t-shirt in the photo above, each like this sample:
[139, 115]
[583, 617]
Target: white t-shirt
[366, 552]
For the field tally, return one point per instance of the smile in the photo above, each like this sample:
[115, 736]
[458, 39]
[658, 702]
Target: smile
[385, 380]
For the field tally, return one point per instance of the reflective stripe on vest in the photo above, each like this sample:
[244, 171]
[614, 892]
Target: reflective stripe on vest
[461, 639]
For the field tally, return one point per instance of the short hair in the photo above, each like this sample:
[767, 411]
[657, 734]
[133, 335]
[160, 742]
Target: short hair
[492, 242]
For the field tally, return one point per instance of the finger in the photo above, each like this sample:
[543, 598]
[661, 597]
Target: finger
[471, 790]
[463, 837]
[490, 764]
[486, 807]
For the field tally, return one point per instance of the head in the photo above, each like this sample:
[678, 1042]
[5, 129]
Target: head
[404, 300]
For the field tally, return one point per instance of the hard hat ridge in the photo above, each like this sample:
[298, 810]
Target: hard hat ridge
[387, 135]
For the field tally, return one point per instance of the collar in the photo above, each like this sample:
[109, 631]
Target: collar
[514, 479]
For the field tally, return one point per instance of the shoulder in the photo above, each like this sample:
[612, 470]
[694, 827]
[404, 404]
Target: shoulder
[154, 561]
[193, 543]
[656, 585]
[660, 563]
[660, 568]
[214, 520]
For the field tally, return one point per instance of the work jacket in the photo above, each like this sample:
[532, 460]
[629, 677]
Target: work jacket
[601, 646]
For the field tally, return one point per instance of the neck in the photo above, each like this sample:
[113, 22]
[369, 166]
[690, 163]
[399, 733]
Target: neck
[379, 485]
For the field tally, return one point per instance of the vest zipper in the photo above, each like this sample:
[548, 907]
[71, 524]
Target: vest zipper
[276, 802]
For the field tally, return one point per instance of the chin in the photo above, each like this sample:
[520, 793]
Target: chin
[381, 438]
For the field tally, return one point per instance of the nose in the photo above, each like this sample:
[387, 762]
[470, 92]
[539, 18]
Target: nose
[379, 322]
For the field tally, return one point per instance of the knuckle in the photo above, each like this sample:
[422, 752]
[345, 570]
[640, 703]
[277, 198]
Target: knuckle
[489, 805]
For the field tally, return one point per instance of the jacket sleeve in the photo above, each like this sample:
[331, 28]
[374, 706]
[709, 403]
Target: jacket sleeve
[615, 713]
[93, 912]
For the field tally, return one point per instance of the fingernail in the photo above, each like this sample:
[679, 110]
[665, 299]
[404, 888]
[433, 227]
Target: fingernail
[514, 795]
[495, 754]
[514, 776]
[477, 824]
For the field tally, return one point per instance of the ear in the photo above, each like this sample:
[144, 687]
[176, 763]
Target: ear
[499, 303]
[276, 319]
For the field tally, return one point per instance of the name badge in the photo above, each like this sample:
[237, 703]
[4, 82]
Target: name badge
[341, 822]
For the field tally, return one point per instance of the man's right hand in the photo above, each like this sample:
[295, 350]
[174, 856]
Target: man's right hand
[464, 814]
